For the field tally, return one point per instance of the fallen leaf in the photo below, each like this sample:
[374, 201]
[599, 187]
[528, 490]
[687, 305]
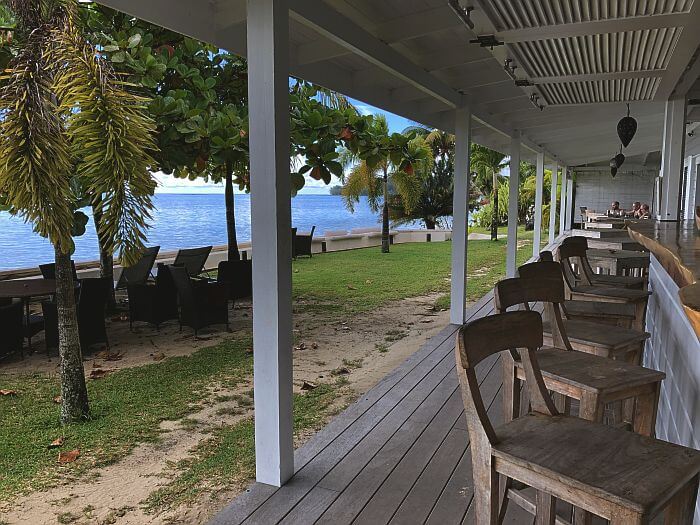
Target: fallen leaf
[300, 346]
[351, 287]
[308, 385]
[56, 443]
[369, 281]
[98, 373]
[340, 371]
[114, 357]
[69, 456]
[249, 351]
[8, 392]
[58, 400]
[314, 345]
[104, 354]
[159, 356]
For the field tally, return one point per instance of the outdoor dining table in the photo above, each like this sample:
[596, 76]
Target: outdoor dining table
[25, 289]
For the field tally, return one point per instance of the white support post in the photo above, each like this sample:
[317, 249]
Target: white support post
[672, 159]
[563, 200]
[539, 190]
[268, 95]
[696, 192]
[689, 189]
[553, 204]
[513, 194]
[460, 216]
[569, 202]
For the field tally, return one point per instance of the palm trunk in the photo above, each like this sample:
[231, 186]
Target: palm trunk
[494, 211]
[385, 214]
[74, 405]
[106, 257]
[233, 254]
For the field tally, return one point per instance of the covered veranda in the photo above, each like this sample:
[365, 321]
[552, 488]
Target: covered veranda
[544, 81]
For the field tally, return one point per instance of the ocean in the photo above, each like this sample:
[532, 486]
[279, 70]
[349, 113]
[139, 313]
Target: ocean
[183, 221]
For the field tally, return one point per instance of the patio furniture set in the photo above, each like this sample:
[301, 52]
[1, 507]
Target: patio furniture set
[579, 355]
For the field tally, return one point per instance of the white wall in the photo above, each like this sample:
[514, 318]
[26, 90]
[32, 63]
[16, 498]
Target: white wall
[674, 349]
[596, 190]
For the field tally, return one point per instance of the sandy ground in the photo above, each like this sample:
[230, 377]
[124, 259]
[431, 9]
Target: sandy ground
[362, 349]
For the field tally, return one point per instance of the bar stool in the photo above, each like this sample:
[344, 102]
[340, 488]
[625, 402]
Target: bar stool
[616, 314]
[573, 248]
[592, 380]
[625, 344]
[617, 475]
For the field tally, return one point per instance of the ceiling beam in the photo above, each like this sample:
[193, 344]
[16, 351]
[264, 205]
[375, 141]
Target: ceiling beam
[594, 27]
[686, 48]
[338, 28]
[598, 76]
[397, 30]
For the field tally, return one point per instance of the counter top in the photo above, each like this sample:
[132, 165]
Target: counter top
[676, 245]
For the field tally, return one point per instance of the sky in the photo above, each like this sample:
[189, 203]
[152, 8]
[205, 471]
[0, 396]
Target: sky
[170, 184]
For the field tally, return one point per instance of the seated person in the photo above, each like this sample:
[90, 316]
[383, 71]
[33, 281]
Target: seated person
[614, 210]
[644, 212]
[636, 207]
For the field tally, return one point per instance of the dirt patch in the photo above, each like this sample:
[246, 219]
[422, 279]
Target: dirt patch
[356, 352]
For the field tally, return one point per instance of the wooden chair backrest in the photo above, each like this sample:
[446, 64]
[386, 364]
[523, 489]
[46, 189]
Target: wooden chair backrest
[546, 256]
[487, 336]
[542, 281]
[572, 250]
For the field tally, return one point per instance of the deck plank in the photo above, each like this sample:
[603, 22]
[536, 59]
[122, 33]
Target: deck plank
[412, 415]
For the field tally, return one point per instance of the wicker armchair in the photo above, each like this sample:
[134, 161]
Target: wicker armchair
[202, 303]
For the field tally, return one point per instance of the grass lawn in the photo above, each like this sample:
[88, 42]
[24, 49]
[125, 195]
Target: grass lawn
[128, 405]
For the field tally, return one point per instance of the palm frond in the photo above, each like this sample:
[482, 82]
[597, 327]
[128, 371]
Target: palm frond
[408, 186]
[112, 135]
[362, 180]
[36, 162]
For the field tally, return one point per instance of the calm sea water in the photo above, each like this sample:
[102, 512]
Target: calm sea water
[183, 221]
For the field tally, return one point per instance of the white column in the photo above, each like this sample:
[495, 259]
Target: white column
[696, 192]
[563, 200]
[268, 94]
[689, 189]
[553, 204]
[513, 194]
[539, 189]
[672, 159]
[460, 216]
[569, 202]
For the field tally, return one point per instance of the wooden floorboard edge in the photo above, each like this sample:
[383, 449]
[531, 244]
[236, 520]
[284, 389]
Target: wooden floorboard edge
[244, 505]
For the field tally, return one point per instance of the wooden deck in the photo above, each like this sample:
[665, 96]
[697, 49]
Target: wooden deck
[400, 454]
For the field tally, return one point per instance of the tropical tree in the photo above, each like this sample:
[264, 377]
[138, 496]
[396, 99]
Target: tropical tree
[382, 160]
[68, 122]
[487, 162]
[437, 182]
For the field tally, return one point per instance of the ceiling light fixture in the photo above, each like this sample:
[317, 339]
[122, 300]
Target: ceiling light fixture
[463, 13]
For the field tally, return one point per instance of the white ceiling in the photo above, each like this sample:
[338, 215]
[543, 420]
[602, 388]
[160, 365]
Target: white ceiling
[587, 58]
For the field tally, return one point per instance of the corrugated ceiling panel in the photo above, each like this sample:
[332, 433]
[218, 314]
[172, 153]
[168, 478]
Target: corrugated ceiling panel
[519, 14]
[643, 50]
[615, 90]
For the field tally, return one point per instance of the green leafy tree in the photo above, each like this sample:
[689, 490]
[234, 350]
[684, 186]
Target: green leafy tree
[437, 182]
[383, 160]
[67, 117]
[487, 162]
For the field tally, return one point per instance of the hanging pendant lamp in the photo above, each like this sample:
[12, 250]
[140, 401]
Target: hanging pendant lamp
[626, 128]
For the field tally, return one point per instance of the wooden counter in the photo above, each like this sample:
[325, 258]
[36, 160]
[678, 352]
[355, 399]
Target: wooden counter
[676, 245]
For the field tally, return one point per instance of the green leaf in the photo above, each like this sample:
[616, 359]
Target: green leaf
[134, 40]
[119, 57]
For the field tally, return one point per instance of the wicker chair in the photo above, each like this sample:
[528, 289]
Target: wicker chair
[139, 272]
[11, 327]
[301, 243]
[238, 277]
[193, 260]
[48, 271]
[153, 303]
[91, 307]
[202, 303]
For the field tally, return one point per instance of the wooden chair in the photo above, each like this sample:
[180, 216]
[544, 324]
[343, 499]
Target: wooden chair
[618, 475]
[573, 249]
[592, 380]
[625, 344]
[616, 314]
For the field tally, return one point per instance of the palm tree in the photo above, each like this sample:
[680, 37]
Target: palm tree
[385, 161]
[486, 161]
[67, 118]
[437, 181]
